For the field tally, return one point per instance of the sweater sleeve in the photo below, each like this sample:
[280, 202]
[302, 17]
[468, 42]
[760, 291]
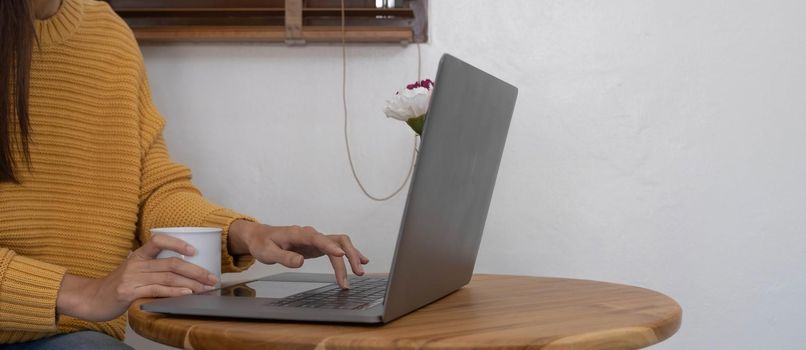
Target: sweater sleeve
[28, 291]
[167, 195]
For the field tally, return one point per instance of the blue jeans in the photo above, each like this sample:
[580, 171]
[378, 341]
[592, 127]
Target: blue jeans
[84, 340]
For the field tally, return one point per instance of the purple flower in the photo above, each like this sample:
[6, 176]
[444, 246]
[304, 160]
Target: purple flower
[411, 104]
[427, 83]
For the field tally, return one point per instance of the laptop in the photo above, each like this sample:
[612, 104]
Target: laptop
[449, 196]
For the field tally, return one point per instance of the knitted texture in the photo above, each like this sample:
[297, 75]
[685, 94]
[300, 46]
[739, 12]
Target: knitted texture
[100, 174]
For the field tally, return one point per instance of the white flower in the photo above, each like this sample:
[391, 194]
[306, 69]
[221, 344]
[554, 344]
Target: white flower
[408, 103]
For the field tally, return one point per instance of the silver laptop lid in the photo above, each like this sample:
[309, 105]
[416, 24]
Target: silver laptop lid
[462, 143]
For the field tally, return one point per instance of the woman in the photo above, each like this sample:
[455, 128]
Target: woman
[84, 175]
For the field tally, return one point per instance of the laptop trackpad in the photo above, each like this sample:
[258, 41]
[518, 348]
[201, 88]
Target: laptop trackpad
[279, 289]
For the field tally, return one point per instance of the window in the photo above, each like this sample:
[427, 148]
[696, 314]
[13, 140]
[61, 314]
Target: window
[290, 21]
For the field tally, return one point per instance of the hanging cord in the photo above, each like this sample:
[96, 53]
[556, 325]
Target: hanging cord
[344, 104]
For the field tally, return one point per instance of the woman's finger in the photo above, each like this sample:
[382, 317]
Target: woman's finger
[180, 267]
[158, 243]
[160, 291]
[353, 256]
[308, 242]
[327, 245]
[170, 279]
[271, 253]
[340, 270]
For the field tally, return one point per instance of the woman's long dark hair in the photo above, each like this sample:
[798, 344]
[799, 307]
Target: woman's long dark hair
[17, 37]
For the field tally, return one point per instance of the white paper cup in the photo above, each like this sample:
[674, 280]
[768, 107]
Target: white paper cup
[206, 240]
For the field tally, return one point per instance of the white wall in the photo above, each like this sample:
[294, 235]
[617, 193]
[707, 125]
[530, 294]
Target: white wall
[655, 143]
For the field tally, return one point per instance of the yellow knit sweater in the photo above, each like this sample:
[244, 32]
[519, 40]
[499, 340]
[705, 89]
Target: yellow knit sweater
[100, 176]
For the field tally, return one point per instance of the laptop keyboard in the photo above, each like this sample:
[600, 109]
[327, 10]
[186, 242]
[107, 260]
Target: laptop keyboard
[364, 293]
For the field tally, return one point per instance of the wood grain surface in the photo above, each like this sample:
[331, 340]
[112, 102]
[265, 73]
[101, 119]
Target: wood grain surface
[270, 34]
[492, 312]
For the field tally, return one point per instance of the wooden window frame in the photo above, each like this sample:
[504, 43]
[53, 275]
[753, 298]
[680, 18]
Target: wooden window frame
[290, 21]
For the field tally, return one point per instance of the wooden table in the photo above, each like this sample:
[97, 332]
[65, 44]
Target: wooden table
[492, 312]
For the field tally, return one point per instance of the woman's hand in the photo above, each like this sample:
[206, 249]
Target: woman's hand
[291, 245]
[141, 275]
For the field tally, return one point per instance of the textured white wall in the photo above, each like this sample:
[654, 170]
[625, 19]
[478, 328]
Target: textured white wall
[655, 143]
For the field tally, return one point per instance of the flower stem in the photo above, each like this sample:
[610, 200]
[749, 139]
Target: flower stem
[417, 124]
